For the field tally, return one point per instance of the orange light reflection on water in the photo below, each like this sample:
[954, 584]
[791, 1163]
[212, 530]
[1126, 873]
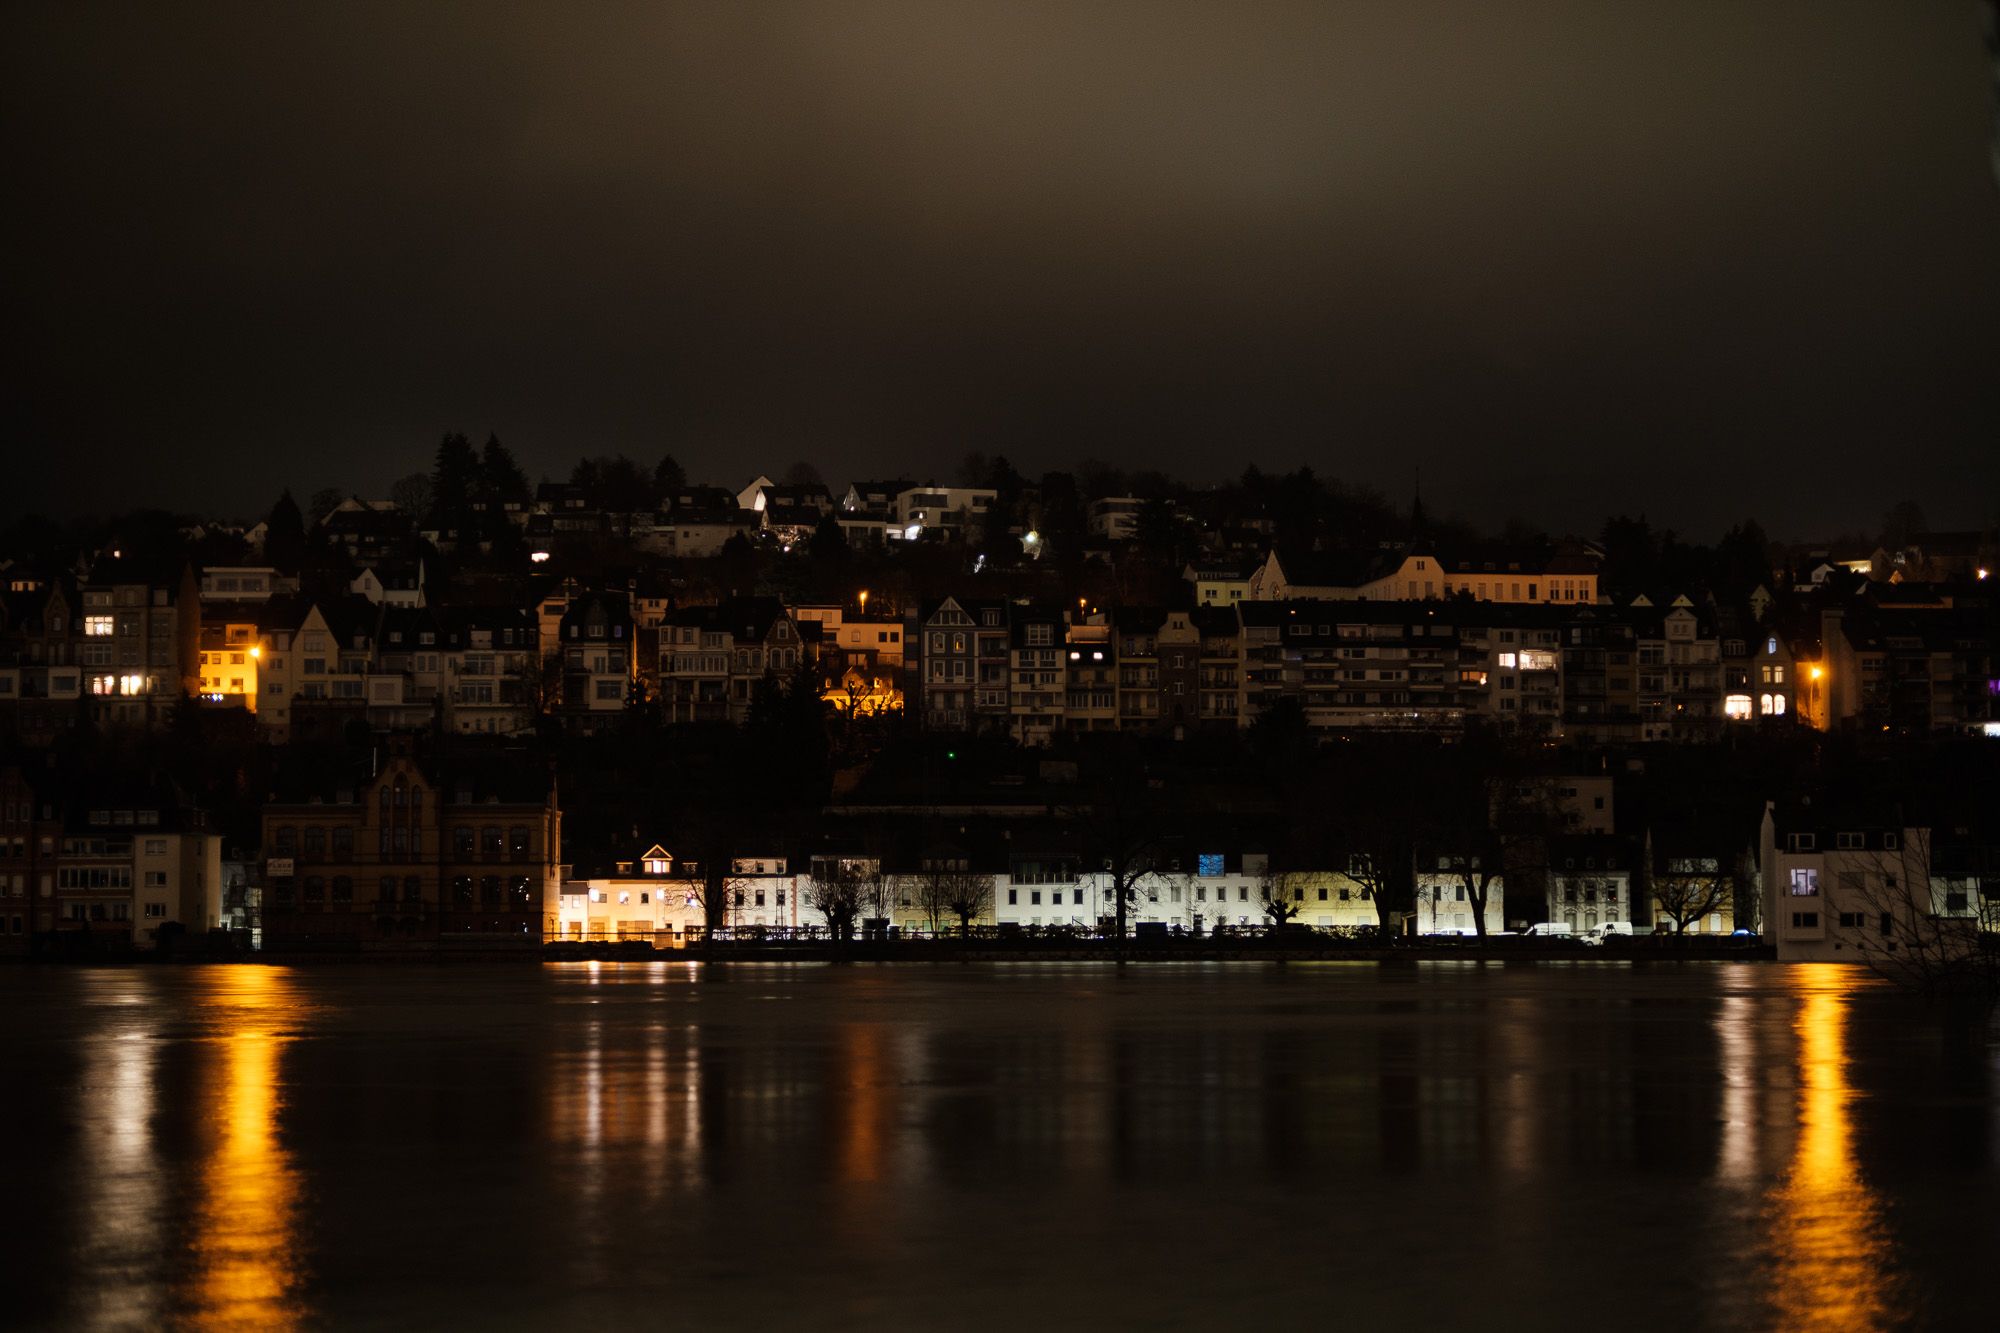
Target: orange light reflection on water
[244, 1238]
[1831, 1252]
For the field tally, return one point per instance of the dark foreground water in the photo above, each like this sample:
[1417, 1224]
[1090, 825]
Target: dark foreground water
[1007, 1146]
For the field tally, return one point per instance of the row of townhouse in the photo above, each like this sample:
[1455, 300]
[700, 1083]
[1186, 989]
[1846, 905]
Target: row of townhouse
[120, 643]
[658, 898]
[298, 662]
[103, 860]
[1593, 672]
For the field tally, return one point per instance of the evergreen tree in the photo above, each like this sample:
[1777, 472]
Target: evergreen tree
[285, 535]
[669, 476]
[500, 477]
[454, 476]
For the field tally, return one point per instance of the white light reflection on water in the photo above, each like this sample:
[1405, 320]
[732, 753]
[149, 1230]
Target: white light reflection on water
[120, 1186]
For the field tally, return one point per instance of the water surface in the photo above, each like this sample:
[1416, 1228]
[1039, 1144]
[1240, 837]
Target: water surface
[759, 1146]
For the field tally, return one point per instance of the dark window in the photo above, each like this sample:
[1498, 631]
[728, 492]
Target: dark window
[343, 844]
[315, 889]
[343, 889]
[461, 890]
[461, 840]
[489, 890]
[315, 844]
[413, 889]
[385, 889]
[517, 842]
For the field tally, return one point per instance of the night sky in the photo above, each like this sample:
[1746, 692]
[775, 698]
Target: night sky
[1699, 259]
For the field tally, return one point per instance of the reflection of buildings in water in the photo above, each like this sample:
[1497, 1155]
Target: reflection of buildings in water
[1517, 1040]
[1752, 1050]
[1830, 1249]
[122, 1233]
[864, 1102]
[244, 1240]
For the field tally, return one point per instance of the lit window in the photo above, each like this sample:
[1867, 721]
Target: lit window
[1736, 706]
[1805, 882]
[1505, 659]
[97, 625]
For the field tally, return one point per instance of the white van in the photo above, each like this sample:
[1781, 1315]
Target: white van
[1598, 934]
[1555, 929]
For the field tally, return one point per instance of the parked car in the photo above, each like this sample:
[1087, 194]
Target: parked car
[1556, 929]
[1599, 934]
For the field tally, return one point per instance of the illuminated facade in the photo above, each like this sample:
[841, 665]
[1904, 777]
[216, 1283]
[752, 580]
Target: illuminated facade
[1840, 892]
[231, 653]
[129, 870]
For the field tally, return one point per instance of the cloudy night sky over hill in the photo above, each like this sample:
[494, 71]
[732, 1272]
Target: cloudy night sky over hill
[1702, 260]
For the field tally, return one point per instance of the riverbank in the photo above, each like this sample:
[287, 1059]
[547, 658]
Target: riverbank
[987, 950]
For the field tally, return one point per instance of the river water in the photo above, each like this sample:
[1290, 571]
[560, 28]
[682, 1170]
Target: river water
[996, 1146]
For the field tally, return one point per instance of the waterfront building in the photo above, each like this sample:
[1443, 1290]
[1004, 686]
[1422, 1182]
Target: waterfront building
[364, 854]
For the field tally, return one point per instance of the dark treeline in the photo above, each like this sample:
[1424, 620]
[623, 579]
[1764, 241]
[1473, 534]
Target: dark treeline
[473, 497]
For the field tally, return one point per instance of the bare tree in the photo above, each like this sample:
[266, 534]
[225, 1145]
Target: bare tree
[833, 889]
[708, 874]
[1474, 872]
[1125, 823]
[1692, 888]
[878, 891]
[1749, 889]
[413, 495]
[947, 889]
[1376, 875]
[968, 896]
[1284, 895]
[1888, 909]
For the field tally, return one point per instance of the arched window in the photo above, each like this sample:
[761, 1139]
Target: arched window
[416, 802]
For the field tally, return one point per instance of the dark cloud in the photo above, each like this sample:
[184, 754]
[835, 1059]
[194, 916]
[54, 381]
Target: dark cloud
[1701, 260]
